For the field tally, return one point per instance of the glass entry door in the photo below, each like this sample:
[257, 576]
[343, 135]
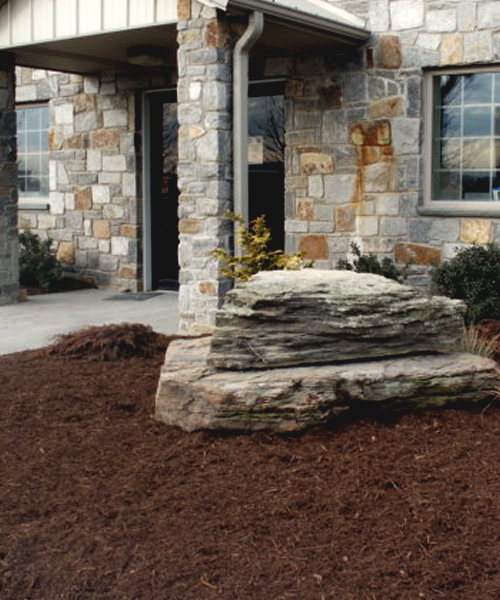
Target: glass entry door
[266, 149]
[164, 195]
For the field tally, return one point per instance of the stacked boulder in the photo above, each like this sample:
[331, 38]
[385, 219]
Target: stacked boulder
[292, 349]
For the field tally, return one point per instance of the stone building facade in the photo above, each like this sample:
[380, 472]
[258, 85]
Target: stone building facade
[356, 155]
[93, 211]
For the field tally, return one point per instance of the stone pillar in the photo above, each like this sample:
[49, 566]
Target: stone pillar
[205, 161]
[9, 240]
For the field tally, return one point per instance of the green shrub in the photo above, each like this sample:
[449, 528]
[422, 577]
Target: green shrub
[473, 275]
[253, 239]
[369, 263]
[38, 265]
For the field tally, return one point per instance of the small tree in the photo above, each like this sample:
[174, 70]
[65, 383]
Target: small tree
[256, 256]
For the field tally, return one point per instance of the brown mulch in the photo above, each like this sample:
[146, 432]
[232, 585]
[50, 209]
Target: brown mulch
[100, 502]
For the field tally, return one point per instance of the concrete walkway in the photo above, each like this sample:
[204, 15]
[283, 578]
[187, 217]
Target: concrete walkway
[34, 323]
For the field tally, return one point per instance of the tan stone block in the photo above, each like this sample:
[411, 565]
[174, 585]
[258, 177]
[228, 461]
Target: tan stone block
[105, 138]
[207, 287]
[190, 226]
[475, 231]
[73, 141]
[416, 254]
[102, 230]
[313, 162]
[345, 218]
[130, 231]
[297, 182]
[389, 107]
[84, 102]
[388, 52]
[66, 253]
[376, 133]
[53, 140]
[184, 9]
[371, 154]
[83, 199]
[191, 132]
[189, 36]
[128, 272]
[451, 49]
[217, 34]
[314, 246]
[305, 210]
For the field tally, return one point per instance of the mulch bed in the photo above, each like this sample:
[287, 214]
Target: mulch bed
[100, 502]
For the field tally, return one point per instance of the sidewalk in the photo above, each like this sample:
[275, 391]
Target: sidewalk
[34, 323]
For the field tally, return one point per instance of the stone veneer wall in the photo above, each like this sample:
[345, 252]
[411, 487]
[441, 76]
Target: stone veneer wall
[9, 245]
[354, 133]
[95, 214]
[205, 159]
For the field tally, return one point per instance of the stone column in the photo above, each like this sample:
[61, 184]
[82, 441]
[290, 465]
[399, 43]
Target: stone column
[9, 240]
[205, 159]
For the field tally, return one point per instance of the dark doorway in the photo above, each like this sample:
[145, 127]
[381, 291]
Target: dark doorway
[266, 176]
[164, 222]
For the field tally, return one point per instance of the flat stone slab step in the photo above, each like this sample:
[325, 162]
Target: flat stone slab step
[193, 395]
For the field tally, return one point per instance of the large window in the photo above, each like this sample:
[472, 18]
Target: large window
[33, 152]
[465, 141]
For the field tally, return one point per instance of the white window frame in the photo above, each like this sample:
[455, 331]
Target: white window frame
[27, 202]
[465, 208]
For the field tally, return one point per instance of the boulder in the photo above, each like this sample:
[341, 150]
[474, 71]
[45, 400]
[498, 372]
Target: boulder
[285, 318]
[193, 395]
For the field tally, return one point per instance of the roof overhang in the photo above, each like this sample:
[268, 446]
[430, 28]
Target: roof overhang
[296, 25]
[291, 26]
[96, 53]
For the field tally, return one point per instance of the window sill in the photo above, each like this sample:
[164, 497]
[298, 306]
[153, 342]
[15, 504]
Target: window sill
[33, 206]
[445, 210]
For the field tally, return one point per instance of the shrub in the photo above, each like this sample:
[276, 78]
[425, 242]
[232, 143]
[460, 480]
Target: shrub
[111, 342]
[256, 256]
[473, 275]
[38, 265]
[370, 263]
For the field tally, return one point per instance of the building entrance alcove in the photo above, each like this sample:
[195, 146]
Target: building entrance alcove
[161, 221]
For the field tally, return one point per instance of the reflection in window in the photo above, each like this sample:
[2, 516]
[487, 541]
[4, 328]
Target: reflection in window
[266, 123]
[33, 151]
[466, 136]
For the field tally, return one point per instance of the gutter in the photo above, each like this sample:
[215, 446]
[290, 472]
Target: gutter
[340, 24]
[240, 112]
[296, 17]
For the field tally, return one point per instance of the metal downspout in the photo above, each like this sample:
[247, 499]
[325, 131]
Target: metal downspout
[240, 112]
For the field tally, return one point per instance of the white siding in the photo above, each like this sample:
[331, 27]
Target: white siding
[141, 11]
[66, 18]
[43, 25]
[20, 13]
[4, 26]
[89, 16]
[25, 21]
[115, 14]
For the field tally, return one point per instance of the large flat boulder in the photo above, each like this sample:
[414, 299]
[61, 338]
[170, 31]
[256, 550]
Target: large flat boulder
[193, 395]
[283, 318]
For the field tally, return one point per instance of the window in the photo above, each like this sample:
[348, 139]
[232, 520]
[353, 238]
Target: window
[33, 152]
[463, 141]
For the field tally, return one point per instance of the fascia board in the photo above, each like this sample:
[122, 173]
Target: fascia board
[338, 22]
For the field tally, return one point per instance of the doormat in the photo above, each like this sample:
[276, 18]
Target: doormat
[137, 296]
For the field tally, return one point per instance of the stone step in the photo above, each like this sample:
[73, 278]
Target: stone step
[193, 395]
